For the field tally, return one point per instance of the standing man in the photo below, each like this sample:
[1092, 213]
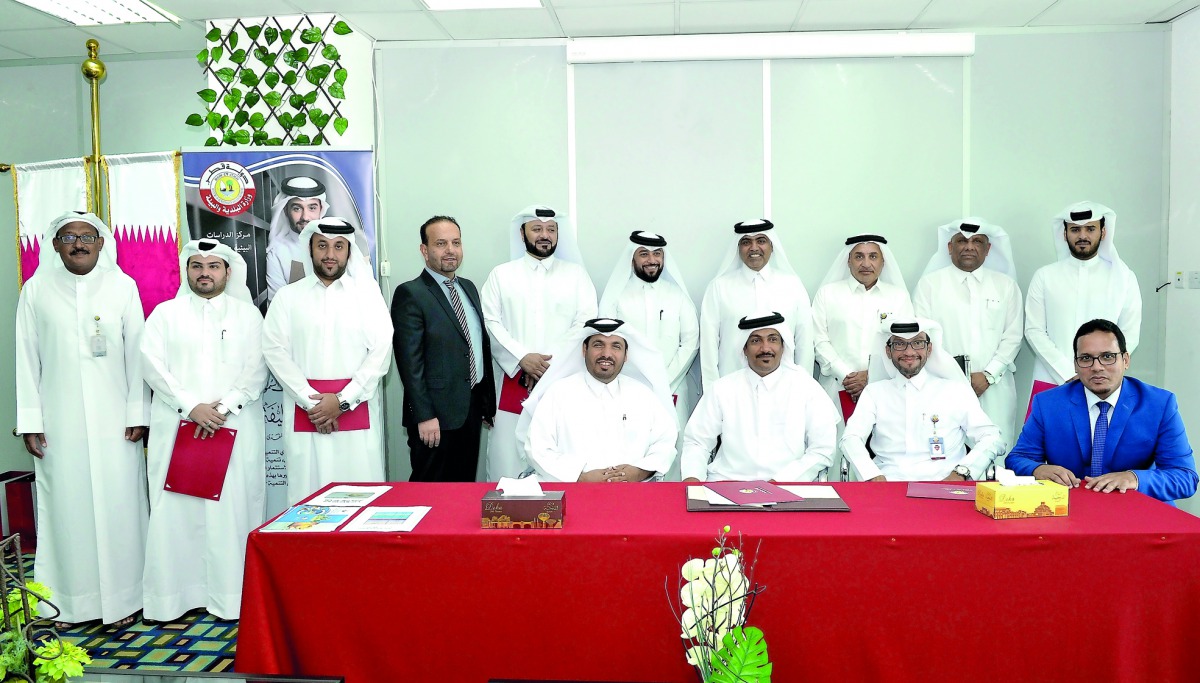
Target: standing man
[443, 353]
[919, 412]
[773, 421]
[530, 305]
[202, 356]
[331, 330]
[1107, 431]
[300, 201]
[647, 291]
[756, 270]
[1088, 281]
[82, 409]
[970, 289]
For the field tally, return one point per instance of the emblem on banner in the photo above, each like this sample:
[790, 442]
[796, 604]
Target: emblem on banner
[226, 188]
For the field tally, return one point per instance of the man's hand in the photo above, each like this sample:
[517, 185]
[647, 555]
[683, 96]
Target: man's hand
[34, 443]
[626, 473]
[979, 383]
[135, 434]
[854, 383]
[430, 432]
[879, 478]
[489, 422]
[594, 476]
[535, 365]
[691, 480]
[954, 476]
[1057, 474]
[324, 415]
[1113, 481]
[207, 419]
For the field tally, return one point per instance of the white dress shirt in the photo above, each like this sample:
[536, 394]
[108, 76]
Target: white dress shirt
[1094, 401]
[898, 415]
[782, 427]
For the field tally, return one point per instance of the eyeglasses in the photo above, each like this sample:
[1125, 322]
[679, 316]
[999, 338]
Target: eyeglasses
[70, 239]
[916, 344]
[1087, 361]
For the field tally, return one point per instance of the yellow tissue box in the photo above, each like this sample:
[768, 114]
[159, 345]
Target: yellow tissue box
[1043, 499]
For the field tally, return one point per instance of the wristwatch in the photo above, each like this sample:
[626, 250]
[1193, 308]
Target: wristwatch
[343, 404]
[991, 379]
[962, 471]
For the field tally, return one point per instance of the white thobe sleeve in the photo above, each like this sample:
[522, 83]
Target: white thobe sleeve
[29, 368]
[277, 351]
[1010, 338]
[803, 339]
[710, 337]
[820, 437]
[506, 350]
[277, 274]
[133, 324]
[253, 377]
[858, 430]
[827, 356]
[585, 302]
[689, 340]
[984, 435]
[700, 438]
[167, 388]
[1130, 319]
[1037, 332]
[660, 451]
[922, 299]
[377, 324]
[543, 446]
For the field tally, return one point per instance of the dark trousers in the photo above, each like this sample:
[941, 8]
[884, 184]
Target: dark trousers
[457, 455]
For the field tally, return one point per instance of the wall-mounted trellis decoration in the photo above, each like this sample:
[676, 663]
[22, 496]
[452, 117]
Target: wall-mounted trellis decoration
[275, 81]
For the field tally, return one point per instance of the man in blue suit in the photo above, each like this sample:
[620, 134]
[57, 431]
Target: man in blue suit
[1115, 432]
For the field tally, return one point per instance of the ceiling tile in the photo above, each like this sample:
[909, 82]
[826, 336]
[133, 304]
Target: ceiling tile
[360, 6]
[14, 15]
[187, 37]
[620, 20]
[55, 42]
[498, 23]
[191, 9]
[1101, 12]
[836, 15]
[733, 16]
[980, 13]
[6, 53]
[396, 25]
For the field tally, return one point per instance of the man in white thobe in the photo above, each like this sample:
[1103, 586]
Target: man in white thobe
[773, 420]
[202, 356]
[300, 201]
[970, 289]
[919, 412]
[530, 305]
[82, 409]
[647, 291]
[1088, 281]
[756, 271]
[602, 413]
[333, 325]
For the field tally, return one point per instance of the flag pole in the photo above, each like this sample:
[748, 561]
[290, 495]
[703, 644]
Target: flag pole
[93, 71]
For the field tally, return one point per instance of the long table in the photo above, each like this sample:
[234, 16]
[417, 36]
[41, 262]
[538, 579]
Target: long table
[898, 589]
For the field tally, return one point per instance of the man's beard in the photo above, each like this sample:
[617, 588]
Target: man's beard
[647, 278]
[529, 247]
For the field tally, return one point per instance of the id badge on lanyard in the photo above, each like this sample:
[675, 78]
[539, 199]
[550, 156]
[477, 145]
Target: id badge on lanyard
[937, 447]
[99, 344]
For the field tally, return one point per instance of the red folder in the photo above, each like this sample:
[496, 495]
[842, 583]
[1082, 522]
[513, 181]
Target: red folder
[512, 394]
[752, 492]
[957, 491]
[198, 466]
[1038, 387]
[847, 404]
[352, 420]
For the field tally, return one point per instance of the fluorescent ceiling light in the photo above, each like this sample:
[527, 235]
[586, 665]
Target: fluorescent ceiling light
[98, 12]
[440, 5]
[768, 46]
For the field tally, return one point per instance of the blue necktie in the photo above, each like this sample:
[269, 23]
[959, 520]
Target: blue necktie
[1096, 467]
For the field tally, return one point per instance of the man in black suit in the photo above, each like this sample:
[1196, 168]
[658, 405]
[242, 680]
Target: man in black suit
[444, 355]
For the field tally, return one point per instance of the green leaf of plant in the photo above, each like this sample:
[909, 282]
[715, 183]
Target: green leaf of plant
[296, 101]
[272, 34]
[318, 139]
[289, 58]
[231, 101]
[233, 39]
[315, 115]
[208, 95]
[287, 35]
[275, 142]
[302, 139]
[228, 138]
[340, 124]
[743, 657]
[330, 52]
[337, 92]
[213, 35]
[289, 78]
[202, 57]
[225, 75]
[252, 99]
[342, 28]
[216, 53]
[273, 98]
[242, 137]
[257, 121]
[240, 118]
[253, 32]
[238, 56]
[299, 119]
[341, 75]
[195, 120]
[317, 74]
[311, 35]
[214, 120]
[302, 55]
[311, 98]
[249, 78]
[285, 120]
[224, 121]
[271, 79]
[260, 137]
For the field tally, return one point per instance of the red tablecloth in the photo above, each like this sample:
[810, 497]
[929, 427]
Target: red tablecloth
[899, 589]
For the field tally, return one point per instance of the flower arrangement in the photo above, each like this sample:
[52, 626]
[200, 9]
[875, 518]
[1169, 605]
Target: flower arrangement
[715, 598]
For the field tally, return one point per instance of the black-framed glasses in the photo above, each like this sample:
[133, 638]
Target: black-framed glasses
[70, 239]
[916, 344]
[1085, 360]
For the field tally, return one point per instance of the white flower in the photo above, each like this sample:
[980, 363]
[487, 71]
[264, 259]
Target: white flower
[692, 569]
[688, 622]
[695, 654]
[696, 594]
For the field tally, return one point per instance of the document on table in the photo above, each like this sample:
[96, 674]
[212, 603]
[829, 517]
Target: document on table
[310, 518]
[348, 495]
[387, 519]
[817, 497]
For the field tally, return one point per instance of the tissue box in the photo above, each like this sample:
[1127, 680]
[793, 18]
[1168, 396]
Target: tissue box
[524, 512]
[1042, 499]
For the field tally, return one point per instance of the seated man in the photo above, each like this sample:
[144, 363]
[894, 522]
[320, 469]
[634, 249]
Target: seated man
[613, 422]
[1116, 432]
[919, 411]
[774, 421]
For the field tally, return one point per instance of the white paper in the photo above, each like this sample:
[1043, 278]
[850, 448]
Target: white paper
[812, 491]
[347, 495]
[387, 519]
[528, 486]
[1007, 477]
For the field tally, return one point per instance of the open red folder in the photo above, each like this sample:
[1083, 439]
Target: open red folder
[1038, 387]
[847, 404]
[198, 466]
[752, 492]
[352, 420]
